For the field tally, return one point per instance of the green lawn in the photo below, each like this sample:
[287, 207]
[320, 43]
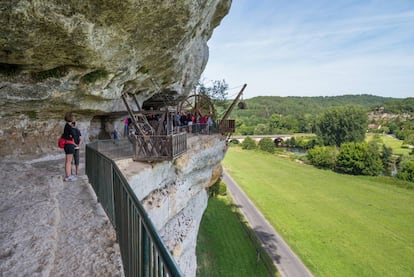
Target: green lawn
[223, 247]
[340, 225]
[389, 141]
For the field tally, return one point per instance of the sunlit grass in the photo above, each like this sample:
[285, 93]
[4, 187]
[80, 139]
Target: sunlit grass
[223, 247]
[340, 225]
[390, 141]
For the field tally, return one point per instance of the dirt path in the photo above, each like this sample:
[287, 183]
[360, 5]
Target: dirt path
[50, 227]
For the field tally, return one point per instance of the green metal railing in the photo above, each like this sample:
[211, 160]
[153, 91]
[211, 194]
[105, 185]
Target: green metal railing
[143, 252]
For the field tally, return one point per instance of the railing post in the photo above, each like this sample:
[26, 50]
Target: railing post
[145, 256]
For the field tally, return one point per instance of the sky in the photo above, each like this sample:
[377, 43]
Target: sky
[315, 48]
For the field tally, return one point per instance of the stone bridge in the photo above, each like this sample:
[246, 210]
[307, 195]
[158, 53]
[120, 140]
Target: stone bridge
[257, 138]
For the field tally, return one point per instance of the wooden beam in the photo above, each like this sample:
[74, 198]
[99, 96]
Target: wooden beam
[230, 109]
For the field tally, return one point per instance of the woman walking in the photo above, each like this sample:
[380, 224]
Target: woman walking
[69, 134]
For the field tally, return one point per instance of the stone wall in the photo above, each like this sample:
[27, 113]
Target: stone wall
[174, 194]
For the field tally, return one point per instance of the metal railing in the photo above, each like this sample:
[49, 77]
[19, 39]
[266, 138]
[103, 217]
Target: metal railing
[143, 252]
[198, 129]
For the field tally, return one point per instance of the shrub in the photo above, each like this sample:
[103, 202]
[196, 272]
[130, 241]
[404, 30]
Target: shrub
[323, 156]
[218, 188]
[266, 144]
[307, 142]
[406, 170]
[290, 142]
[248, 143]
[359, 158]
[57, 72]
[222, 188]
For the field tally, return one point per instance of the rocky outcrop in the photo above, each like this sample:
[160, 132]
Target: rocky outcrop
[174, 194]
[81, 56]
[57, 56]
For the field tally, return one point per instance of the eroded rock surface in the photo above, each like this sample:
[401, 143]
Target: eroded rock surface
[57, 56]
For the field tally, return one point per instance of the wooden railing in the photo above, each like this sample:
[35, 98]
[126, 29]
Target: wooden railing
[143, 252]
[227, 126]
[159, 148]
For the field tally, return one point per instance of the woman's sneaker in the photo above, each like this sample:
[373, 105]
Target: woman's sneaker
[70, 178]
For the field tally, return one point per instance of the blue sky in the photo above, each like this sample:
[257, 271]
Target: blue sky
[315, 48]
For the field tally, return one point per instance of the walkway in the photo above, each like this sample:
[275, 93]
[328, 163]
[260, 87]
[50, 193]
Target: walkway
[50, 227]
[288, 264]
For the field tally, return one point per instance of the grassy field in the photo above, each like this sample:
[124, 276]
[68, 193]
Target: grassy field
[340, 225]
[389, 141]
[223, 247]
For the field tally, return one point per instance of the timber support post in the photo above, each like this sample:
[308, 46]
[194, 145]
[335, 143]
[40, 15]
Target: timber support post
[224, 125]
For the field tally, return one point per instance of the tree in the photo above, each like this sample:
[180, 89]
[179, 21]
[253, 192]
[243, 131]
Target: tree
[267, 144]
[373, 163]
[248, 143]
[359, 158]
[342, 124]
[275, 122]
[290, 142]
[409, 138]
[290, 123]
[245, 130]
[386, 158]
[216, 91]
[261, 129]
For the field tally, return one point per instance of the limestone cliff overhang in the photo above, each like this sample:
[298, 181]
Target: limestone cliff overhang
[83, 55]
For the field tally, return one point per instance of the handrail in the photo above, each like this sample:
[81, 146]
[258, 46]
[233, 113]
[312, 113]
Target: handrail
[159, 147]
[142, 250]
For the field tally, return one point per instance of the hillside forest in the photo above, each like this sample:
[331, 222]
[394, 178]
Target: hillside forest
[333, 129]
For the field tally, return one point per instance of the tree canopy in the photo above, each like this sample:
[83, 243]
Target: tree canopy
[359, 158]
[286, 115]
[342, 124]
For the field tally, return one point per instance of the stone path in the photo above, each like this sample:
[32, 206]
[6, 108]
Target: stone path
[52, 228]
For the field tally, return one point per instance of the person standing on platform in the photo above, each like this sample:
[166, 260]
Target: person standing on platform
[78, 140]
[69, 147]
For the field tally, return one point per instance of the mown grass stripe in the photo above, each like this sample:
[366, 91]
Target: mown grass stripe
[223, 246]
[340, 225]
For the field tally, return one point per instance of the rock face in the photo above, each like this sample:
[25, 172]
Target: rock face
[174, 195]
[81, 56]
[57, 56]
